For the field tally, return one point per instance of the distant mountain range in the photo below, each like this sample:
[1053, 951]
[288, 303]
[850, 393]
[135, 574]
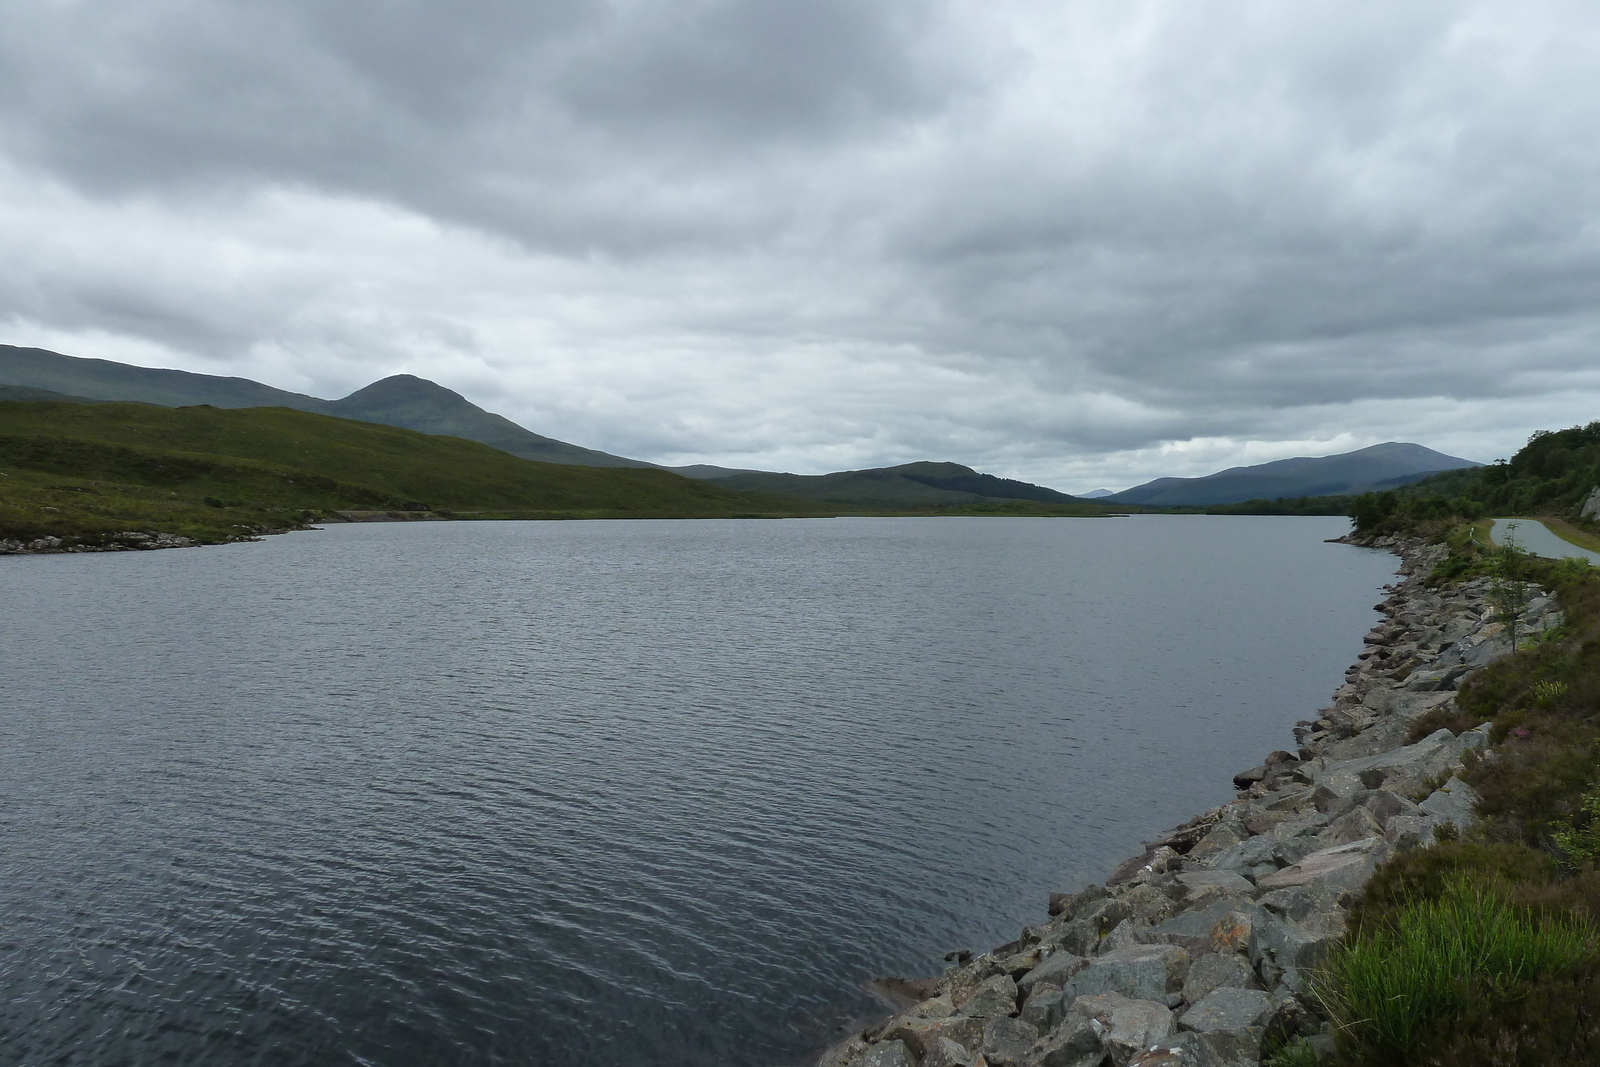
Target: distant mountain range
[1382, 466]
[413, 403]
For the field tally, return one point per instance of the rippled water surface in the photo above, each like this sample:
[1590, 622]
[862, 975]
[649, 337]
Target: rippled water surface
[607, 793]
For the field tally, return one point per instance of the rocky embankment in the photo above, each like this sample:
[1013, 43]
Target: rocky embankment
[1198, 950]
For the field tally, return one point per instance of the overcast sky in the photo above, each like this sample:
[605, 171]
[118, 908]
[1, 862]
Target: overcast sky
[1080, 243]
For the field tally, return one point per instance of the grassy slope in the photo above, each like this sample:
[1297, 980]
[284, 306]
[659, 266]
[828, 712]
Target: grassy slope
[107, 467]
[1571, 534]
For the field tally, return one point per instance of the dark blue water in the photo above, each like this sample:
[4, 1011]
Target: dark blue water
[606, 793]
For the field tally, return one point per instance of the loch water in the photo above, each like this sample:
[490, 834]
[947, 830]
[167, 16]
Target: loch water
[614, 793]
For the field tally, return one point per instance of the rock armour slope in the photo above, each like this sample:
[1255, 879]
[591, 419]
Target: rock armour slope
[1195, 953]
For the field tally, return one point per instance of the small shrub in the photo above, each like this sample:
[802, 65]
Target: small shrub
[1555, 1020]
[1423, 875]
[1547, 693]
[1579, 836]
[1391, 986]
[1541, 770]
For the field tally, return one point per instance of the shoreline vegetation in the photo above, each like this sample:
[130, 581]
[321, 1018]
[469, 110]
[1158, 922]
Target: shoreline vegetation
[97, 477]
[1417, 884]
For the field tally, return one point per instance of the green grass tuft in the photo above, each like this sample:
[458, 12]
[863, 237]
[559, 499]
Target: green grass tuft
[1390, 986]
[1300, 1053]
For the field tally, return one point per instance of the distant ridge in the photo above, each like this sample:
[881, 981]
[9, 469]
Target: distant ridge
[1382, 466]
[102, 379]
[908, 485]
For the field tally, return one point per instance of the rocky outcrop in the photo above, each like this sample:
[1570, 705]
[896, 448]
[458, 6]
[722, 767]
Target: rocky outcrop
[1591, 505]
[126, 541]
[1197, 951]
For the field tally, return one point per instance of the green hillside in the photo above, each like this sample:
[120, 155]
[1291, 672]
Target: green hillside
[25, 392]
[87, 471]
[401, 400]
[1551, 475]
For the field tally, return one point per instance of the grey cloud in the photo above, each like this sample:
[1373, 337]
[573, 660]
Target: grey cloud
[489, 111]
[1017, 231]
[749, 71]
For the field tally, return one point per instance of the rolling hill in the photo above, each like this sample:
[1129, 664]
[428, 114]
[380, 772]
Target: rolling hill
[401, 400]
[88, 471]
[1382, 466]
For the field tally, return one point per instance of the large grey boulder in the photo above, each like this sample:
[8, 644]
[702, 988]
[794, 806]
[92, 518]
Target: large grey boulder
[921, 1034]
[1055, 970]
[1229, 1008]
[1222, 924]
[1385, 805]
[1044, 1009]
[1298, 902]
[995, 996]
[946, 1053]
[1223, 834]
[1205, 886]
[1150, 903]
[1406, 832]
[1078, 1042]
[1403, 770]
[1454, 802]
[1139, 972]
[885, 1054]
[1217, 970]
[1346, 866]
[1247, 854]
[1006, 1041]
[959, 982]
[1130, 1025]
[1357, 824]
[1280, 945]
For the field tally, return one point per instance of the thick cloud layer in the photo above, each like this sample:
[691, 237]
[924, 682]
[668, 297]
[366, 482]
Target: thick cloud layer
[1081, 243]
